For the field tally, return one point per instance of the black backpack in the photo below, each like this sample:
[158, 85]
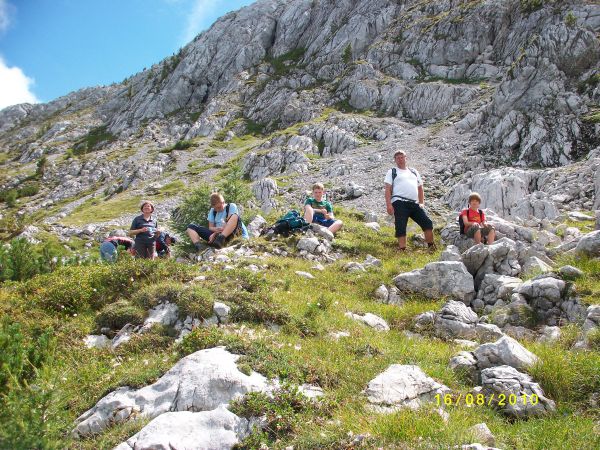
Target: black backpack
[461, 224]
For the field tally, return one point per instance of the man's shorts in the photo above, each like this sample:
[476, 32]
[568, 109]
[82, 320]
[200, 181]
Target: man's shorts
[403, 210]
[321, 220]
[485, 230]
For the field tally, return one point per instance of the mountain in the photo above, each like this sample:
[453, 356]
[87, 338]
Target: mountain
[519, 78]
[315, 341]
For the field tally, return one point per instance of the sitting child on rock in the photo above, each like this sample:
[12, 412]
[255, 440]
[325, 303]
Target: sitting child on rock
[474, 223]
[224, 223]
[318, 210]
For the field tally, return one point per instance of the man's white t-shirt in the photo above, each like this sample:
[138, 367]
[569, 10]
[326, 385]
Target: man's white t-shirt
[405, 185]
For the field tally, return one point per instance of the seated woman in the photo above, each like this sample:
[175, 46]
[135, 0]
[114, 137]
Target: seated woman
[224, 223]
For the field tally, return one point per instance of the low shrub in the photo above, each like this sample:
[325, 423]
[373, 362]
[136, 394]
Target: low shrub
[282, 411]
[116, 315]
[192, 300]
[77, 288]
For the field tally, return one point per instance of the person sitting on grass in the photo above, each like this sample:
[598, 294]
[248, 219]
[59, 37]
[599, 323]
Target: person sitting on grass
[224, 223]
[474, 222]
[109, 248]
[163, 244]
[318, 210]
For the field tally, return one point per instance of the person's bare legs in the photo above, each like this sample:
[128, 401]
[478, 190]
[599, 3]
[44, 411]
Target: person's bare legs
[402, 243]
[428, 236]
[194, 237]
[477, 237]
[309, 213]
[230, 226]
[337, 226]
[491, 237]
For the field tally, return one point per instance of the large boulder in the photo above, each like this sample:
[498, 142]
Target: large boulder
[500, 258]
[402, 386]
[551, 300]
[439, 279]
[218, 429]
[495, 291]
[589, 244]
[457, 321]
[199, 382]
[508, 192]
[514, 393]
[265, 191]
[505, 351]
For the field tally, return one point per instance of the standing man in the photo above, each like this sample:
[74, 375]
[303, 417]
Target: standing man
[404, 198]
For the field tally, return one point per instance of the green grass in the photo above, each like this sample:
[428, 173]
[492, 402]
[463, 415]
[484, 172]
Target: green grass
[302, 351]
[99, 210]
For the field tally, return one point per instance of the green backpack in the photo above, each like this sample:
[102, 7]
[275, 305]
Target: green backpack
[289, 223]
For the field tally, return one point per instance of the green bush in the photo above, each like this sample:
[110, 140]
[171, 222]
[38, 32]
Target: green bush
[347, 55]
[528, 6]
[193, 209]
[78, 288]
[116, 315]
[191, 300]
[282, 413]
[202, 338]
[24, 397]
[196, 301]
[96, 138]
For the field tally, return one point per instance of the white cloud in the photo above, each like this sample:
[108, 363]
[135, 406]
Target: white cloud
[15, 86]
[201, 17]
[5, 13]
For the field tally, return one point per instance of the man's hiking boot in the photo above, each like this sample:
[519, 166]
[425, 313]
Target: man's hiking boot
[199, 246]
[219, 241]
[431, 247]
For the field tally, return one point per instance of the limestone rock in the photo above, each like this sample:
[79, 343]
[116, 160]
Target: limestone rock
[482, 433]
[371, 320]
[265, 191]
[446, 278]
[218, 429]
[509, 381]
[590, 244]
[256, 226]
[307, 275]
[403, 386]
[570, 272]
[97, 341]
[505, 351]
[451, 253]
[199, 382]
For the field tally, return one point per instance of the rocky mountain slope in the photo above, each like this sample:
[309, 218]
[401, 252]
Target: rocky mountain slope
[461, 85]
[317, 341]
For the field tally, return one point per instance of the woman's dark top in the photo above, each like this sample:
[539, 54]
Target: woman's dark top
[140, 222]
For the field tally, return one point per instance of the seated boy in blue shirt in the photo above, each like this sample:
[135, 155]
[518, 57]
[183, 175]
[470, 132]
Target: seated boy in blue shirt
[224, 223]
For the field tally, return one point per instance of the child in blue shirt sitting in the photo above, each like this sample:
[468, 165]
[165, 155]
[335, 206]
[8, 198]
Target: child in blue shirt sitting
[224, 223]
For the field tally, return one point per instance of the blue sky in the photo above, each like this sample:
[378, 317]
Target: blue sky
[49, 48]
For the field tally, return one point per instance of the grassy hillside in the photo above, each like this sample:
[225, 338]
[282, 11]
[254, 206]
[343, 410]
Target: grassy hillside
[48, 377]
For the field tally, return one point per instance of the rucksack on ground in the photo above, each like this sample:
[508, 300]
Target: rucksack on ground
[290, 222]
